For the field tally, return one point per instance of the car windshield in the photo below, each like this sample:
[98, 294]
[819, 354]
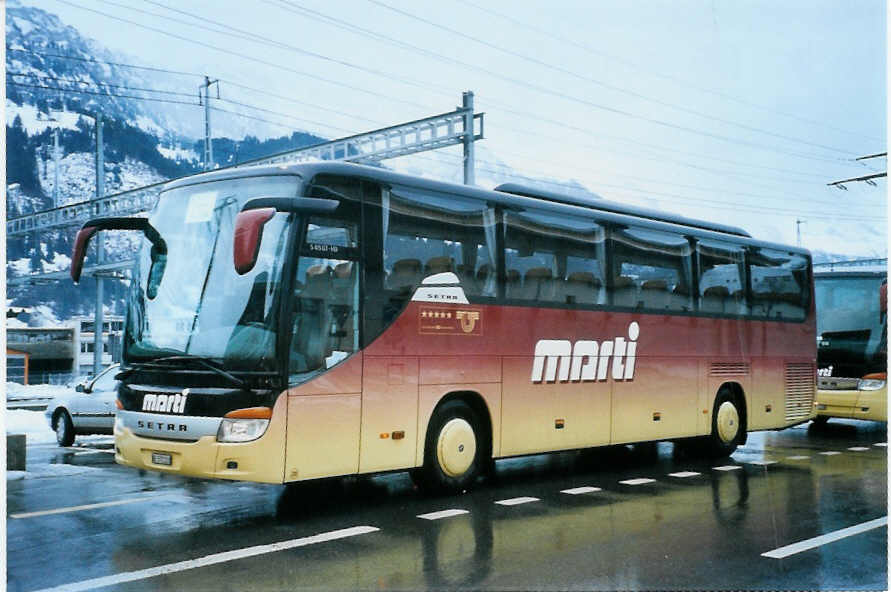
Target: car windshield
[191, 301]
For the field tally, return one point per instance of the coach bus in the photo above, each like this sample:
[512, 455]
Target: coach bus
[852, 341]
[312, 320]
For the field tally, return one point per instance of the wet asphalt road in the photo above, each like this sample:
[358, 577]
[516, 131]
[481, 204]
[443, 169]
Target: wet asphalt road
[684, 531]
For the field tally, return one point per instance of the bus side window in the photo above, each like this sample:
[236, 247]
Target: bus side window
[651, 270]
[780, 288]
[721, 281]
[554, 258]
[414, 234]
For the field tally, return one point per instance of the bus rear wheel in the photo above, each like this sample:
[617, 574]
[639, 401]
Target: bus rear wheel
[453, 450]
[726, 424]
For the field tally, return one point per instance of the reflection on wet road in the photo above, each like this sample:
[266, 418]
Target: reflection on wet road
[641, 517]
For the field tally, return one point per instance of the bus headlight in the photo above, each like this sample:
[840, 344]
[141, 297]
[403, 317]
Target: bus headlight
[870, 384]
[244, 425]
[241, 430]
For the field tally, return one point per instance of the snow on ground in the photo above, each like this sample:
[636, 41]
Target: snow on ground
[32, 391]
[49, 470]
[178, 153]
[34, 126]
[31, 423]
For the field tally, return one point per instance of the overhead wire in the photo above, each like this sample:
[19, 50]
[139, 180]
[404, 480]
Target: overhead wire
[87, 92]
[681, 82]
[243, 55]
[296, 8]
[593, 105]
[601, 83]
[99, 84]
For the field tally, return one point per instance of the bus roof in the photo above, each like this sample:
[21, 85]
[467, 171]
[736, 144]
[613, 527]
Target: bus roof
[609, 211]
[611, 206]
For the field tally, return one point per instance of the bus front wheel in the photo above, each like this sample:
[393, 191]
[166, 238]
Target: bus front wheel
[453, 450]
[726, 424]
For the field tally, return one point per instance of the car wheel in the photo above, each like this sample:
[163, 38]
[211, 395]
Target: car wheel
[455, 450]
[64, 429]
[726, 424]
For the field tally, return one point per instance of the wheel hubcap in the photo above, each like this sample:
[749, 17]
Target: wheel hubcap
[727, 421]
[456, 447]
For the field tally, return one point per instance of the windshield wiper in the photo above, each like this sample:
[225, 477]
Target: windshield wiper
[200, 360]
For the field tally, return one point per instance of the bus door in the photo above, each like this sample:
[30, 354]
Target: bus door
[324, 358]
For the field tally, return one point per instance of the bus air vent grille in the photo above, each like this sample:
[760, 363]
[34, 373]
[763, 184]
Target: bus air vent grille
[800, 386]
[729, 369]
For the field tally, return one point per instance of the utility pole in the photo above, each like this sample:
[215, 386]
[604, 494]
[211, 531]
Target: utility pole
[467, 104]
[798, 224]
[208, 146]
[56, 165]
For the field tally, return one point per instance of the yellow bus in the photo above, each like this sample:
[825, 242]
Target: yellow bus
[303, 321]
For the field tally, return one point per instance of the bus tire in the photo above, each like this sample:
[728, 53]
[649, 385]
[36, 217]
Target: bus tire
[64, 428]
[726, 424]
[454, 450]
[820, 420]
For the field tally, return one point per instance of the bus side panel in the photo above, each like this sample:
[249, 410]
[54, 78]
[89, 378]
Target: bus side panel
[324, 414]
[430, 395]
[769, 389]
[323, 436]
[389, 406]
[585, 409]
[661, 402]
[527, 409]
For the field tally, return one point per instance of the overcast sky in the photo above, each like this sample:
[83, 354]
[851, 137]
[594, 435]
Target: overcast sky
[734, 111]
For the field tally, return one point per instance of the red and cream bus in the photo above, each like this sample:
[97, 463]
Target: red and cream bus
[314, 320]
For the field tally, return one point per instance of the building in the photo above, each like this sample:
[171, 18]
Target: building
[57, 355]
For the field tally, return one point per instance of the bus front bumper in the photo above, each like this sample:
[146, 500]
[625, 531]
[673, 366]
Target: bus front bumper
[260, 460]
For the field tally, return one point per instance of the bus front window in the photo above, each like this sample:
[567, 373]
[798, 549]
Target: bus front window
[325, 328]
[193, 303]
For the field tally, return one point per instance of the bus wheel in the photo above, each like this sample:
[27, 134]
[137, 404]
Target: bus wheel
[453, 451]
[726, 424]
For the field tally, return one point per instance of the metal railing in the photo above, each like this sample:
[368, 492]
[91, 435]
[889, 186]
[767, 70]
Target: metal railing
[429, 133]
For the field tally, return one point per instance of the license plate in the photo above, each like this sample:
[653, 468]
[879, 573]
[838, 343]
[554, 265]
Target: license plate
[161, 458]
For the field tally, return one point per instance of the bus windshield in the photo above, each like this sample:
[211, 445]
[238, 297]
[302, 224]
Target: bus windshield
[191, 301]
[853, 302]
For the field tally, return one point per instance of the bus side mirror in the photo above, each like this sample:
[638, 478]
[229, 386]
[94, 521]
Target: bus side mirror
[80, 250]
[248, 234]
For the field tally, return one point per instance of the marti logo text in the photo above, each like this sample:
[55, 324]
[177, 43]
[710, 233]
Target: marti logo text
[560, 359]
[175, 403]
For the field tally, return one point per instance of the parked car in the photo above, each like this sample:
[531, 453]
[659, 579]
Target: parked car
[89, 409]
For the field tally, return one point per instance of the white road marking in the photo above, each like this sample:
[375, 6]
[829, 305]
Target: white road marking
[858, 448]
[727, 468]
[82, 508]
[826, 538]
[442, 514]
[762, 462]
[829, 453]
[683, 474]
[638, 481]
[798, 457]
[514, 501]
[580, 490]
[142, 574]
[93, 452]
[882, 444]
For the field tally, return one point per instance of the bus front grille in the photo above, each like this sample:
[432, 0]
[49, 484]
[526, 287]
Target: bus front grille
[800, 386]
